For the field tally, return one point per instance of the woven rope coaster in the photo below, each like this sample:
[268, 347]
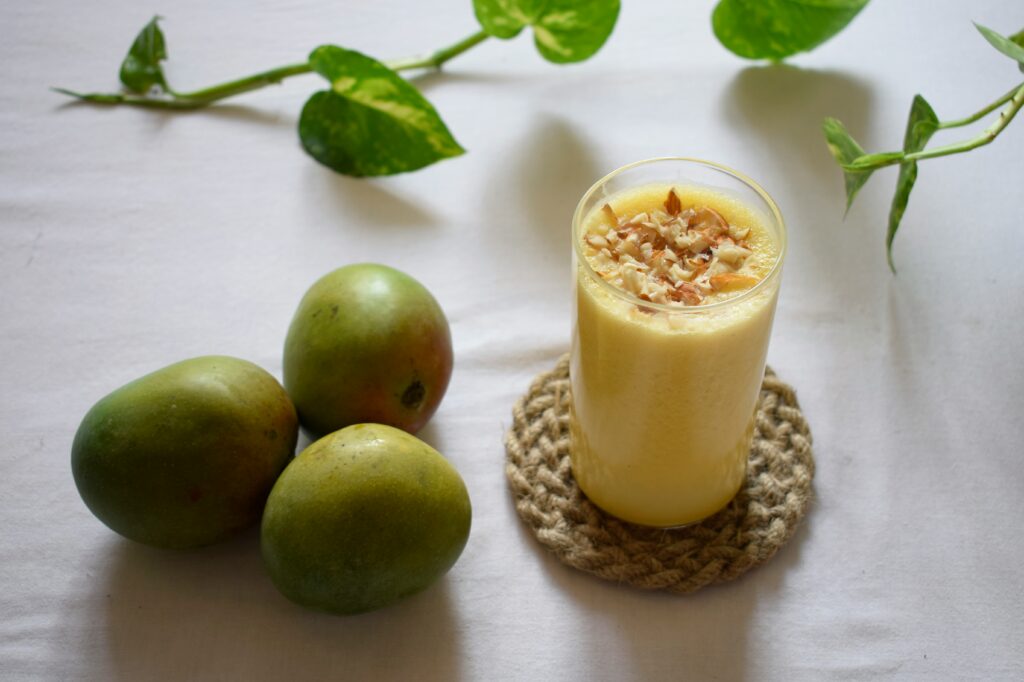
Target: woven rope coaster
[756, 523]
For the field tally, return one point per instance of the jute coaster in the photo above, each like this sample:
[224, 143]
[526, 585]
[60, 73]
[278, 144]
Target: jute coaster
[758, 521]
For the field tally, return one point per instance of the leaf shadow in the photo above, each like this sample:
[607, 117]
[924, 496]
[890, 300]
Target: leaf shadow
[374, 201]
[214, 614]
[777, 111]
[241, 113]
[784, 107]
[543, 177]
[430, 78]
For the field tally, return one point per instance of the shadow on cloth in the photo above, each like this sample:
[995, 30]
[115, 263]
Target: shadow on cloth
[250, 114]
[371, 201]
[431, 434]
[241, 113]
[428, 79]
[532, 197]
[784, 107]
[777, 111]
[702, 635]
[214, 614]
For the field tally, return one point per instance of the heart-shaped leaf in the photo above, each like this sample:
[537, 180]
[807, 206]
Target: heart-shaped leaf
[921, 125]
[564, 31]
[776, 29]
[1012, 47]
[371, 121]
[845, 149]
[505, 18]
[141, 69]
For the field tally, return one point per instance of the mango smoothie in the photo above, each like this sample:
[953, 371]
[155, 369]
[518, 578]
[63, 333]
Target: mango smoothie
[675, 289]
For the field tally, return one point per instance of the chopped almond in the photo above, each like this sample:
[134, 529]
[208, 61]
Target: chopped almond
[711, 221]
[672, 203]
[689, 293]
[610, 214]
[730, 281]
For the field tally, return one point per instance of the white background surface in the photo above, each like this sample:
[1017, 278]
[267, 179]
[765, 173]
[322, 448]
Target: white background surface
[131, 239]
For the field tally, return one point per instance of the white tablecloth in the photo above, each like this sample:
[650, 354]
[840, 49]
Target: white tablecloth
[130, 239]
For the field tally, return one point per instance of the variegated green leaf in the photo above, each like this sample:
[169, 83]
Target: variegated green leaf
[776, 29]
[371, 121]
[845, 149]
[1012, 47]
[564, 30]
[921, 125]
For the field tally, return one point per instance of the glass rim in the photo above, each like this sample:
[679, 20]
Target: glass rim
[578, 215]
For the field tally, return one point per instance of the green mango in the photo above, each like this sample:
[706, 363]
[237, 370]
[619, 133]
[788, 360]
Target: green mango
[363, 518]
[368, 343]
[185, 456]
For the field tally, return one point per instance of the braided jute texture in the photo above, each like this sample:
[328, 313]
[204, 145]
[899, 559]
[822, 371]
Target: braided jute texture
[755, 524]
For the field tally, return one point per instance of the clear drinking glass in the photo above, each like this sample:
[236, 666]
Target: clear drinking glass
[663, 396]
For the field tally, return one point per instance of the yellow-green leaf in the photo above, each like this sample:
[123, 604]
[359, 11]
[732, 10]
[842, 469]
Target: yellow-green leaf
[371, 121]
[845, 149]
[564, 31]
[776, 29]
[1012, 47]
[921, 125]
[502, 18]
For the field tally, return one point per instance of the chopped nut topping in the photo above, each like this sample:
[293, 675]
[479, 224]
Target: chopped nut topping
[676, 256]
[610, 214]
[731, 282]
[672, 203]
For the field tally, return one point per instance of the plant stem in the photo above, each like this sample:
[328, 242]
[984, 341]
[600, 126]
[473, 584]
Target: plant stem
[115, 98]
[237, 87]
[205, 96]
[435, 60]
[1016, 102]
[981, 114]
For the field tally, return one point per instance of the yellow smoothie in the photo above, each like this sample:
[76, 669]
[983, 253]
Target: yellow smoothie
[671, 333]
